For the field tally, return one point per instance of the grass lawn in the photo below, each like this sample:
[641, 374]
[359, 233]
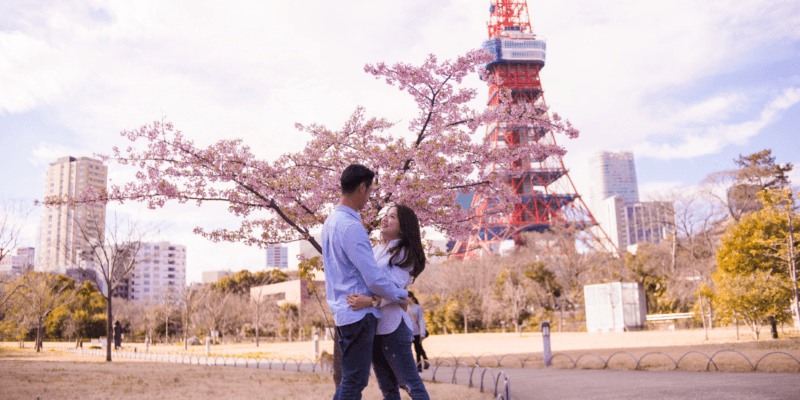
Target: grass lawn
[56, 375]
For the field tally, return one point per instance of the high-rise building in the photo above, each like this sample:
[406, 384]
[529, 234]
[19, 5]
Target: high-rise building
[66, 229]
[277, 257]
[160, 274]
[611, 174]
[642, 222]
[614, 199]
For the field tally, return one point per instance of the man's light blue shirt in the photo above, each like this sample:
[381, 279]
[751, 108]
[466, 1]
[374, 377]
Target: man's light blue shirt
[350, 267]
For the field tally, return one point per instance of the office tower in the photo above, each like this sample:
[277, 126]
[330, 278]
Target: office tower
[614, 199]
[66, 229]
[611, 174]
[277, 257]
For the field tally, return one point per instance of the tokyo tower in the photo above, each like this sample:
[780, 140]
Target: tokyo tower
[547, 194]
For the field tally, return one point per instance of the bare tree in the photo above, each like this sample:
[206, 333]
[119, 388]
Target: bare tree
[39, 294]
[190, 298]
[13, 215]
[214, 306]
[168, 303]
[108, 254]
[260, 307]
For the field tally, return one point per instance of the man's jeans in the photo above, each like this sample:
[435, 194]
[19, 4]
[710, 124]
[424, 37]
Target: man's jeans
[394, 364]
[356, 342]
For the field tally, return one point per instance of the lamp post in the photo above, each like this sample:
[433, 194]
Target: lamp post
[546, 344]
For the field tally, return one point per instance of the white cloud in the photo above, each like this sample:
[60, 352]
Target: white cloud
[46, 153]
[717, 136]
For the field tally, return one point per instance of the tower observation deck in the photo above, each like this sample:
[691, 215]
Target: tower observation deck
[547, 194]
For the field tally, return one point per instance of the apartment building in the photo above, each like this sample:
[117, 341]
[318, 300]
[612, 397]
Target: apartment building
[277, 257]
[65, 230]
[160, 274]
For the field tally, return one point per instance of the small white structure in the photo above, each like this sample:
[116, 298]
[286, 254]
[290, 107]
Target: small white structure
[615, 307]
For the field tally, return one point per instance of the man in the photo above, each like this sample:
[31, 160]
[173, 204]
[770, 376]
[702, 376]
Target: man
[350, 268]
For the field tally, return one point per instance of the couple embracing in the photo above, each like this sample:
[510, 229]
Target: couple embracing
[367, 291]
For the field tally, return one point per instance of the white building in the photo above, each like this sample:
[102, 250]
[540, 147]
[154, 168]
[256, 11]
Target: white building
[160, 274]
[642, 222]
[611, 174]
[213, 276]
[19, 262]
[303, 247]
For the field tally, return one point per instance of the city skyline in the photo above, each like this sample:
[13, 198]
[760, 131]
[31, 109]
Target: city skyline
[677, 83]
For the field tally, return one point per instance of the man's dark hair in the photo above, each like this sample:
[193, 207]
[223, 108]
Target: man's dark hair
[353, 175]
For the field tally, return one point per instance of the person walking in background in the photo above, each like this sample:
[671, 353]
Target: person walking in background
[401, 255]
[350, 268]
[420, 330]
[117, 335]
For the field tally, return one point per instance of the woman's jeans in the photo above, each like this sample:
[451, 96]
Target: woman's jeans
[394, 365]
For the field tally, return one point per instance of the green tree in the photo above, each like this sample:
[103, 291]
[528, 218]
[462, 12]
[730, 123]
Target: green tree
[241, 282]
[78, 317]
[753, 297]
[739, 188]
[754, 278]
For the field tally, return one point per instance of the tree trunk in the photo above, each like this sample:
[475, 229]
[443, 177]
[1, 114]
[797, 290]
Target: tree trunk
[38, 344]
[702, 313]
[166, 328]
[710, 316]
[674, 250]
[109, 331]
[257, 321]
[186, 332]
[465, 324]
[736, 322]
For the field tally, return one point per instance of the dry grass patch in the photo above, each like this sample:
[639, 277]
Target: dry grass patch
[49, 375]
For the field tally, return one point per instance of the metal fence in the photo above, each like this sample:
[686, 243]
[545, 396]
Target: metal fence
[498, 360]
[302, 364]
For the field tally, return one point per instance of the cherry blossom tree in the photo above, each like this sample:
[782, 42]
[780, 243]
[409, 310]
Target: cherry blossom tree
[442, 157]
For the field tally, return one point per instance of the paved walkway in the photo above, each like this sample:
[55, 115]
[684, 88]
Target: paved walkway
[607, 384]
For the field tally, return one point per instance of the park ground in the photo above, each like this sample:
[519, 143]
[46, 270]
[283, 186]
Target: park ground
[54, 373]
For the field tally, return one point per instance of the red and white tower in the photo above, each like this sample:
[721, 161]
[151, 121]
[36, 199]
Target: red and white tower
[547, 194]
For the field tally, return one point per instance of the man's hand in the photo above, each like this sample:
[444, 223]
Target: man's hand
[359, 301]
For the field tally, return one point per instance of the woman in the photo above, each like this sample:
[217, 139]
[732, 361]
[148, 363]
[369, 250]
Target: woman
[420, 330]
[401, 252]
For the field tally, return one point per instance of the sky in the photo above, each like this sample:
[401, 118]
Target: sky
[686, 85]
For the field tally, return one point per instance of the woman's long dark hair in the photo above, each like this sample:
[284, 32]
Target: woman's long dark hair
[410, 244]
